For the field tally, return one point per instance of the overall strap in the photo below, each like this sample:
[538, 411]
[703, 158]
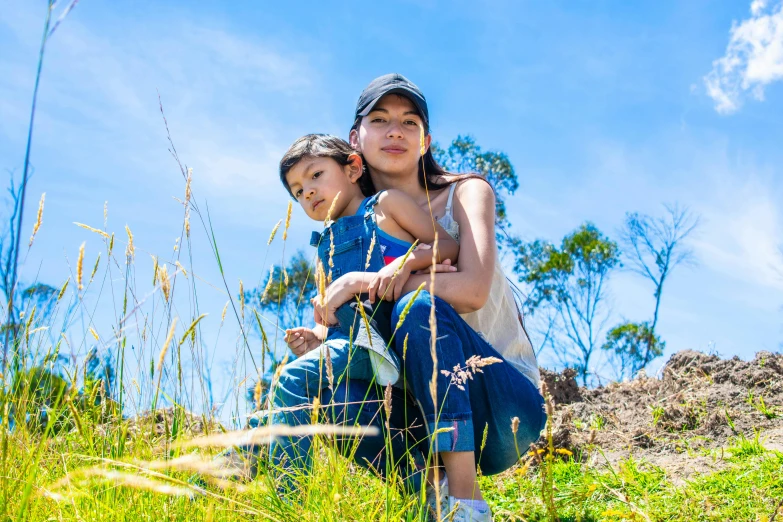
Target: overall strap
[367, 206]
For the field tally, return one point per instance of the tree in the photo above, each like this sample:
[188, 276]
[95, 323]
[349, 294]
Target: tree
[464, 156]
[627, 343]
[288, 298]
[653, 248]
[570, 284]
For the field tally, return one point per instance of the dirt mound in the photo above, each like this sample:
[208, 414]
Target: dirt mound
[170, 422]
[700, 403]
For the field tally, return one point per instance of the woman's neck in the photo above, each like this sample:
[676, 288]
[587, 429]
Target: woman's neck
[407, 184]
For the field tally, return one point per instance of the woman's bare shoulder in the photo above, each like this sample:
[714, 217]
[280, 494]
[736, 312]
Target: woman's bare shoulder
[474, 189]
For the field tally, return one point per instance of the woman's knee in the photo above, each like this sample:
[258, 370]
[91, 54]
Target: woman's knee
[415, 307]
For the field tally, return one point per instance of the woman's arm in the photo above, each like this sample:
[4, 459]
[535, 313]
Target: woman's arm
[467, 289]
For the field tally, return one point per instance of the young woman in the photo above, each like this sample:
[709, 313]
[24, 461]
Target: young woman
[475, 310]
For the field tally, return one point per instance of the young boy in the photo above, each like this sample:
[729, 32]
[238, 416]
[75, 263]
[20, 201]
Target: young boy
[361, 242]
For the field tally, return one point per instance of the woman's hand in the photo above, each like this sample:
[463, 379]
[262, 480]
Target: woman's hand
[301, 340]
[388, 283]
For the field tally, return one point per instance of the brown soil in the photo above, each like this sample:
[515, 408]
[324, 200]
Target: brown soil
[701, 403]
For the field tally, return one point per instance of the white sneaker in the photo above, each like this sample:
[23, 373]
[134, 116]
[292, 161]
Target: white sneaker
[461, 512]
[432, 501]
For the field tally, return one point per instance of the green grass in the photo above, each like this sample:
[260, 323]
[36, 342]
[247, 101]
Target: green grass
[34, 465]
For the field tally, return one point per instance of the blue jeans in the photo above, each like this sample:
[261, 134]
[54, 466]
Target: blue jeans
[300, 382]
[488, 401]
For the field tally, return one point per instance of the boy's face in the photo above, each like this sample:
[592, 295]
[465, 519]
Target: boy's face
[315, 182]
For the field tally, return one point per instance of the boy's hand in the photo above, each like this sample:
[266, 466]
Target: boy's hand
[301, 340]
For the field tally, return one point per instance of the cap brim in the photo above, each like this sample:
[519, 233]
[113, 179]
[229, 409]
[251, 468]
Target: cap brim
[397, 90]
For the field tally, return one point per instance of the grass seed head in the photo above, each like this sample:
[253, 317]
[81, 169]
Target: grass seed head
[166, 345]
[242, 298]
[39, 218]
[80, 267]
[129, 249]
[95, 267]
[287, 220]
[331, 209]
[274, 231]
[164, 281]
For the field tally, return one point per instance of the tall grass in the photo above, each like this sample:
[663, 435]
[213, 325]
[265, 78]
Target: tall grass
[73, 445]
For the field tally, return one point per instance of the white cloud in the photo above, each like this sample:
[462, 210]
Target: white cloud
[753, 59]
[742, 232]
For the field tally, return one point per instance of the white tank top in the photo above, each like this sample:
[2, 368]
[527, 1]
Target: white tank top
[498, 321]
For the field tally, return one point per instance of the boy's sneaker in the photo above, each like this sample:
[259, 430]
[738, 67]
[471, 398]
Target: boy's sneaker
[432, 501]
[460, 510]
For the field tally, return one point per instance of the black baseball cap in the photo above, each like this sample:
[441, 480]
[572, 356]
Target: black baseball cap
[391, 84]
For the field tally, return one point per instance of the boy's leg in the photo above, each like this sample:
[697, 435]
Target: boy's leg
[401, 447]
[301, 381]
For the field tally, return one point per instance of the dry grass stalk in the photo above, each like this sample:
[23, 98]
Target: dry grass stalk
[191, 329]
[422, 141]
[434, 355]
[105, 214]
[459, 375]
[165, 348]
[331, 249]
[320, 281]
[287, 220]
[369, 251]
[242, 298]
[111, 244]
[264, 435]
[154, 270]
[258, 392]
[329, 367]
[63, 289]
[285, 276]
[91, 229]
[80, 267]
[387, 403]
[180, 267]
[95, 267]
[94, 333]
[268, 283]
[407, 308]
[130, 250]
[223, 315]
[316, 404]
[514, 425]
[191, 462]
[331, 209]
[38, 219]
[188, 194]
[141, 482]
[276, 375]
[165, 282]
[274, 231]
[404, 347]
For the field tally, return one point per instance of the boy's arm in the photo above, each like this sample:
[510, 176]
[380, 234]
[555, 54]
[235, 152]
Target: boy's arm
[409, 216]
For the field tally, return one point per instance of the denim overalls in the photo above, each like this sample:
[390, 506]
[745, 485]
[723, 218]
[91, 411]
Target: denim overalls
[344, 246]
[364, 356]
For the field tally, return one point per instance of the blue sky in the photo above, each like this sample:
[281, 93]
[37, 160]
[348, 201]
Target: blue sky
[603, 108]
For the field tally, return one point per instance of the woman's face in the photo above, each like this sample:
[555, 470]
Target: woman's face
[389, 137]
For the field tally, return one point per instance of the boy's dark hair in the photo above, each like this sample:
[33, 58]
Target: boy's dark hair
[322, 146]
